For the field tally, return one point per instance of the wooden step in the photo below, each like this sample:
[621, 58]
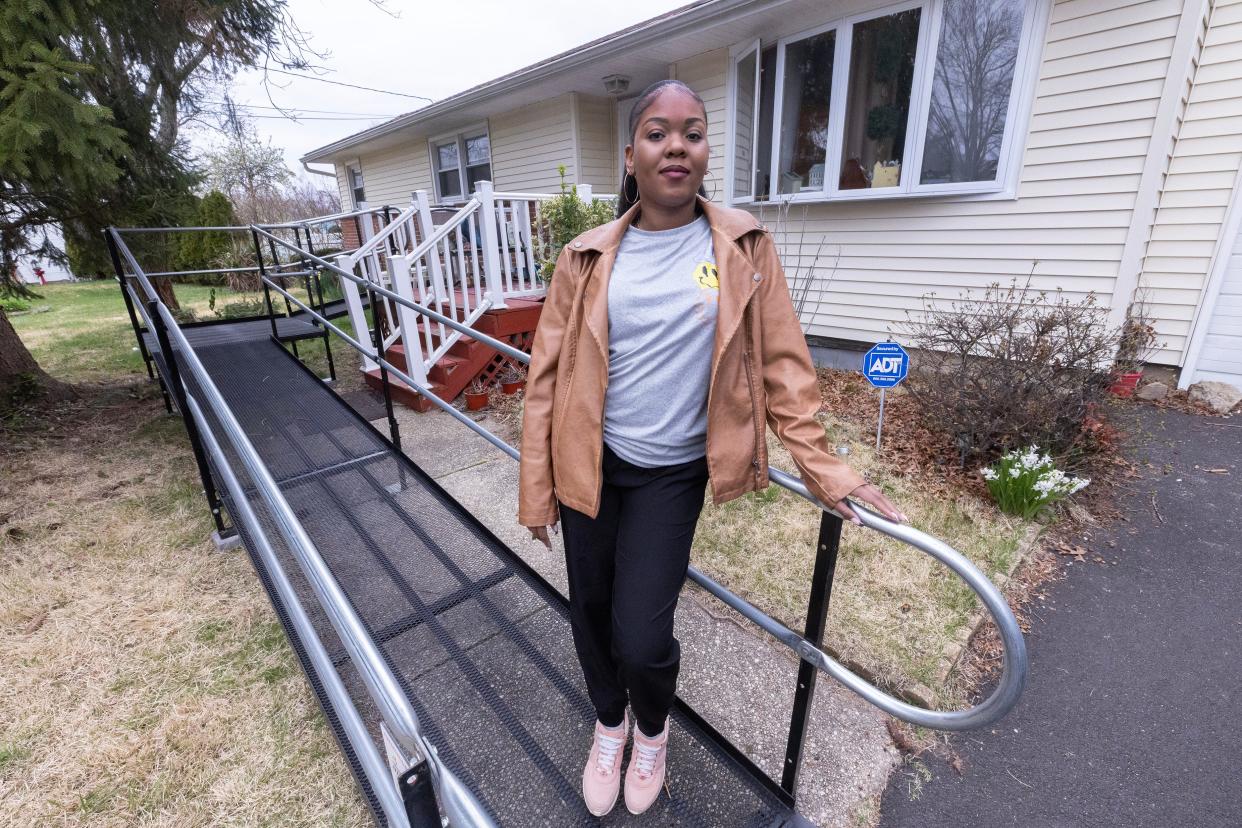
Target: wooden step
[404, 394]
[466, 358]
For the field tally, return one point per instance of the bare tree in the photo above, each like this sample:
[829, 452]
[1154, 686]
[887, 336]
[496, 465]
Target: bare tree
[975, 66]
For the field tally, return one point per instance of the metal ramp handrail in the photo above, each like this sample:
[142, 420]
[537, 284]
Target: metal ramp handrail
[1014, 666]
[460, 805]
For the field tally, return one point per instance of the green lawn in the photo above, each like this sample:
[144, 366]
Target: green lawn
[145, 679]
[81, 332]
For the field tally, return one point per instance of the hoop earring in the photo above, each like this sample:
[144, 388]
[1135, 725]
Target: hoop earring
[715, 185]
[625, 192]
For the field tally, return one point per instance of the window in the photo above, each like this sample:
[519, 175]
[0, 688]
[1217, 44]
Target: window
[805, 98]
[877, 108]
[353, 172]
[915, 99]
[454, 179]
[966, 119]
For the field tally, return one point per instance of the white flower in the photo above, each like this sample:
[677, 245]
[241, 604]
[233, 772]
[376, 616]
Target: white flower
[988, 474]
[1030, 460]
[1053, 477]
[1014, 471]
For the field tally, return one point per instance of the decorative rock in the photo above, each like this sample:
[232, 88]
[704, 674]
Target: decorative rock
[1221, 397]
[1153, 391]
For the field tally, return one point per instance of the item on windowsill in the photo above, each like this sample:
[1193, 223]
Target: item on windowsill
[816, 174]
[886, 174]
[853, 176]
[791, 182]
[476, 396]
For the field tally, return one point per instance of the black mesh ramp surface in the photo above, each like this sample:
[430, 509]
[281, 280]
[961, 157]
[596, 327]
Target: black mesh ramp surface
[481, 646]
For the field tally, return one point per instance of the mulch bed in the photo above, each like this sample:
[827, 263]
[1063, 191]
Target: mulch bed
[913, 450]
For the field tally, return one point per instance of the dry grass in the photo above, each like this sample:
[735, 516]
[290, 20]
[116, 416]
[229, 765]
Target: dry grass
[144, 679]
[893, 610]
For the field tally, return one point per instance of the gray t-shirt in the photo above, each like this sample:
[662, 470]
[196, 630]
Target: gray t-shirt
[663, 295]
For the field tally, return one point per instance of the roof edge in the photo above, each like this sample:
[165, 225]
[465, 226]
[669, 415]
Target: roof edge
[638, 34]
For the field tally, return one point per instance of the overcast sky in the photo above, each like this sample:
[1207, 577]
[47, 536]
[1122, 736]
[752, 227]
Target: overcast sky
[420, 48]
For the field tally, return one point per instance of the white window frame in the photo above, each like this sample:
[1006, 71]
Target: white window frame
[736, 54]
[459, 137]
[350, 166]
[1021, 99]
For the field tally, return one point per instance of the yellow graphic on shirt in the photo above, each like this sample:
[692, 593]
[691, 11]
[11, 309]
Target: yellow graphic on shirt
[707, 275]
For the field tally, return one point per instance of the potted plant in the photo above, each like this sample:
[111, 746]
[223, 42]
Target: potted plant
[476, 395]
[1135, 344]
[512, 379]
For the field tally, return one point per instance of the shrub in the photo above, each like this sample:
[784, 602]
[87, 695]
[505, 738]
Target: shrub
[1027, 483]
[12, 304]
[563, 217]
[1012, 368]
[1136, 341]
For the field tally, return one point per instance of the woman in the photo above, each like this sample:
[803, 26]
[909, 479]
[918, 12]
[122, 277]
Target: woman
[666, 340]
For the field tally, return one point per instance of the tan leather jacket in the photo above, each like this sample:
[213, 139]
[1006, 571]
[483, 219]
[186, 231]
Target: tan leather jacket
[761, 370]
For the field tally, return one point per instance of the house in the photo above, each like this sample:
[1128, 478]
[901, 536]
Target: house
[39, 268]
[912, 147]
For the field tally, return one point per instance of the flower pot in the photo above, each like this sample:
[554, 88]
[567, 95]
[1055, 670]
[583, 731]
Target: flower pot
[1124, 384]
[474, 401]
[512, 387]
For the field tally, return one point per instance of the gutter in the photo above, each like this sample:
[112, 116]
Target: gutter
[306, 166]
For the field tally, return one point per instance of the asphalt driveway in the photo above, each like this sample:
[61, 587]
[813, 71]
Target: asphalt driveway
[1131, 715]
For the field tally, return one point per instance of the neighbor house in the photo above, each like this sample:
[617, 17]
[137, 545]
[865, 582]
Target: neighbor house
[902, 149]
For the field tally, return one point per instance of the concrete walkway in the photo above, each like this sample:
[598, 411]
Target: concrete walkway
[1130, 717]
[734, 676]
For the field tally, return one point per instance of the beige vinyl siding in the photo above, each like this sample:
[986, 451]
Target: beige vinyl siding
[1202, 174]
[1096, 99]
[706, 74]
[598, 158]
[529, 143]
[342, 186]
[390, 175]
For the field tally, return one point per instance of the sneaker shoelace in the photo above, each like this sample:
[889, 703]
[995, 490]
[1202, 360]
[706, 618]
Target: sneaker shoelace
[609, 747]
[645, 758]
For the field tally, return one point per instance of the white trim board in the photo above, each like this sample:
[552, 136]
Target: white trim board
[1156, 164]
[1231, 227]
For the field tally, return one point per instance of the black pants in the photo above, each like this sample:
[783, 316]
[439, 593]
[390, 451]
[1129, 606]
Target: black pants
[626, 567]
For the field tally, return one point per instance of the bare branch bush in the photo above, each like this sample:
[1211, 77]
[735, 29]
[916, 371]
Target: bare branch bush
[801, 270]
[1014, 367]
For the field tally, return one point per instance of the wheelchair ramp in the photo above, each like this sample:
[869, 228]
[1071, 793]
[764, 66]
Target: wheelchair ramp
[480, 644]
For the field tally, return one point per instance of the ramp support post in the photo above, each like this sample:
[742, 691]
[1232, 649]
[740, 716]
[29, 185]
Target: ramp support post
[267, 293]
[178, 392]
[394, 431]
[419, 797]
[827, 546]
[129, 303]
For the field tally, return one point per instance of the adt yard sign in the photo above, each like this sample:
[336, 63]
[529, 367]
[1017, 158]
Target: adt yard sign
[886, 364]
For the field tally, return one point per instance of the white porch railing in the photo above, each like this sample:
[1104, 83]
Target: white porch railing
[480, 254]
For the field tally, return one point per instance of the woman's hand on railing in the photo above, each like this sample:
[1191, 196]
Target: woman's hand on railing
[869, 494]
[540, 533]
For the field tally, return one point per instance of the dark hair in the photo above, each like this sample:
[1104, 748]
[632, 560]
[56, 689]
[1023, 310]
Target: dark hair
[644, 102]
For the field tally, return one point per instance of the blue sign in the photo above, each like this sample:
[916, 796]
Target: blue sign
[886, 364]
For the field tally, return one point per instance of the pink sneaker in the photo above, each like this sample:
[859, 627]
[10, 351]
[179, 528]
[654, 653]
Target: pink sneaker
[645, 776]
[601, 778]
